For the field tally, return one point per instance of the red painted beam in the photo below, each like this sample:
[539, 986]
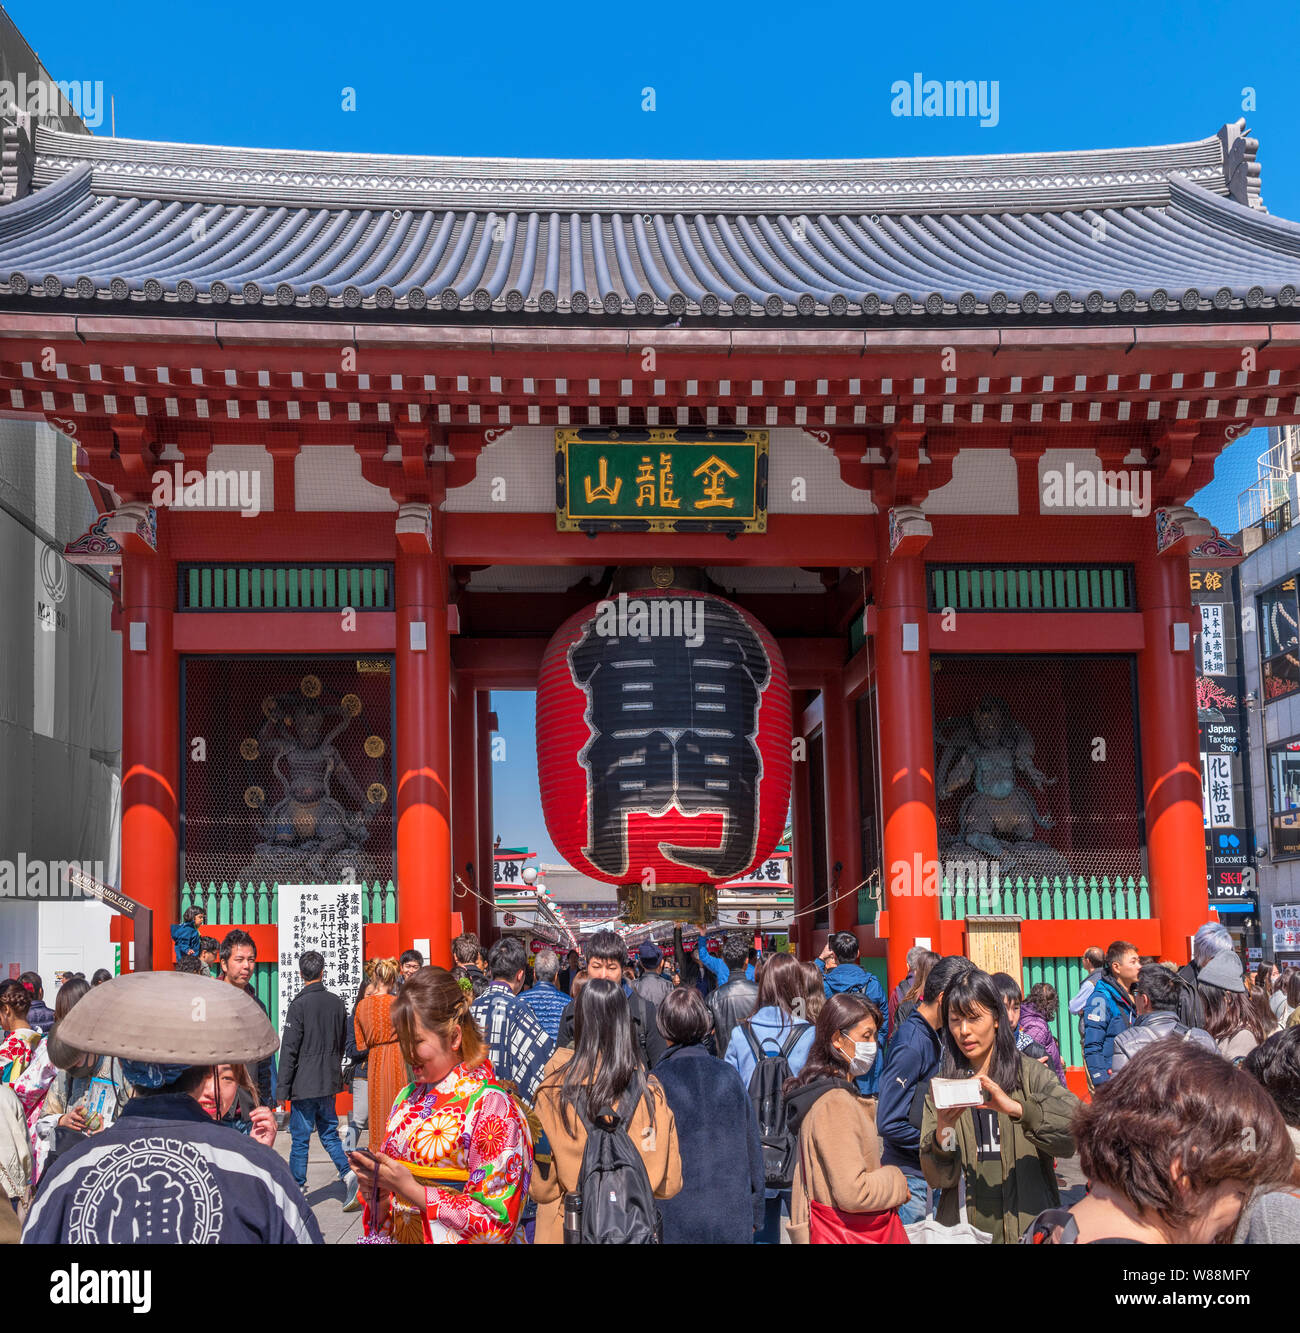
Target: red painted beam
[808, 660]
[858, 673]
[281, 631]
[1047, 539]
[813, 716]
[1040, 631]
[1068, 939]
[499, 664]
[1064, 939]
[791, 539]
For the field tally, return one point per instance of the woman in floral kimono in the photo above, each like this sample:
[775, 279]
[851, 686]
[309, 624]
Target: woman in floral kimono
[457, 1155]
[20, 1038]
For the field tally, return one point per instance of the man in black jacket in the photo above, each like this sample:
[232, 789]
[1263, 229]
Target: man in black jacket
[736, 998]
[606, 956]
[311, 1071]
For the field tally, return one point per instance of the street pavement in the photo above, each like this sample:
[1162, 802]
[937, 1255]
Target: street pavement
[325, 1193]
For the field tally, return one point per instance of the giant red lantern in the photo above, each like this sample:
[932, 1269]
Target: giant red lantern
[663, 739]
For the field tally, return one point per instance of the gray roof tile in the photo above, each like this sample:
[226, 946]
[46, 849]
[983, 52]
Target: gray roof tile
[1081, 234]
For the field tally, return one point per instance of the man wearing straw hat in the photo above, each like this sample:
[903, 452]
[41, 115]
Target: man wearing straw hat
[167, 1171]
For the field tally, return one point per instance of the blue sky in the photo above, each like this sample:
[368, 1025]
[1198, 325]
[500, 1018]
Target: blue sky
[752, 80]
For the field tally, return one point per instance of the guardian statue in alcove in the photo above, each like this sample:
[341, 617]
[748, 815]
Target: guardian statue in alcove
[308, 836]
[989, 752]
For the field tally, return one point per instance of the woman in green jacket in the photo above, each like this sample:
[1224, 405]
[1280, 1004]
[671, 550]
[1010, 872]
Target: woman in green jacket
[1005, 1148]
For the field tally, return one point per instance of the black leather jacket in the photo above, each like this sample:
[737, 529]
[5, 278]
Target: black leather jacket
[730, 1005]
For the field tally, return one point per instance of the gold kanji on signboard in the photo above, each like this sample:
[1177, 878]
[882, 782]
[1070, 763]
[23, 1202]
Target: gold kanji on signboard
[713, 470]
[603, 491]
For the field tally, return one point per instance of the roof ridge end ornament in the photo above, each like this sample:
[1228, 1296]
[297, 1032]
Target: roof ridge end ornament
[1241, 171]
[17, 153]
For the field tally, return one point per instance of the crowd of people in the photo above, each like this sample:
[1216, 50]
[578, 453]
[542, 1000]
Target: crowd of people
[672, 1097]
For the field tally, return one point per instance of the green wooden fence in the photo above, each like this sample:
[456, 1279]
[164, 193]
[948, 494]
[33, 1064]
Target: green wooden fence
[1065, 975]
[255, 904]
[1074, 898]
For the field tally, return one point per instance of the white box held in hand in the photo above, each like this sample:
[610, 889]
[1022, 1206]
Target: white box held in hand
[950, 1092]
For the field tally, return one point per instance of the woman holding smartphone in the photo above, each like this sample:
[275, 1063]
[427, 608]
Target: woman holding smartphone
[456, 1154]
[1004, 1148]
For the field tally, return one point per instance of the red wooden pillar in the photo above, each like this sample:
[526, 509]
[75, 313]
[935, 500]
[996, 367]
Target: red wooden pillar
[484, 863]
[423, 805]
[843, 813]
[150, 743]
[1171, 773]
[464, 802]
[802, 851]
[910, 835]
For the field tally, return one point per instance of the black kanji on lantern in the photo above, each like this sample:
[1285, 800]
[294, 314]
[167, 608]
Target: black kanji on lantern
[673, 720]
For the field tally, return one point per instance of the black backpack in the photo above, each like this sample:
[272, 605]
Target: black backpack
[618, 1205]
[1191, 1008]
[765, 1092]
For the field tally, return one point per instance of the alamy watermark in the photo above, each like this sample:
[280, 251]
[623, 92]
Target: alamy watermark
[660, 618]
[48, 97]
[1093, 488]
[921, 878]
[239, 488]
[35, 879]
[953, 97]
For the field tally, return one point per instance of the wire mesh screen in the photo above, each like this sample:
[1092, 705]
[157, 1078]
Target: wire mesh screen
[1036, 766]
[288, 770]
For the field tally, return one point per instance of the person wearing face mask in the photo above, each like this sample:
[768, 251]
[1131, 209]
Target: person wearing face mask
[842, 1193]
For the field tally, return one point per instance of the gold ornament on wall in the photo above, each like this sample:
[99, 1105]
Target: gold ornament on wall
[376, 793]
[248, 748]
[310, 687]
[374, 746]
[254, 798]
[662, 576]
[351, 704]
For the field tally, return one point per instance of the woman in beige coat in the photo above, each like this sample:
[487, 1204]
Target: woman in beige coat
[602, 1071]
[839, 1151]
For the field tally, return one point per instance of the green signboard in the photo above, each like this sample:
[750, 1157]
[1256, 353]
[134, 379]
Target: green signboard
[653, 480]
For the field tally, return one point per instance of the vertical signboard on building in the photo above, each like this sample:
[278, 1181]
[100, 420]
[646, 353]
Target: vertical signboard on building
[326, 918]
[1286, 928]
[1229, 853]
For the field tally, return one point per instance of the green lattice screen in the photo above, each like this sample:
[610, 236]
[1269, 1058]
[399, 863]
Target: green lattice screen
[242, 587]
[1065, 975]
[1031, 587]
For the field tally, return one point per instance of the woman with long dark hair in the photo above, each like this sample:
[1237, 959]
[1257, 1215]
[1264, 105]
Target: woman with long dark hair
[1002, 1150]
[841, 1192]
[722, 1196]
[774, 1028]
[1232, 1017]
[603, 1072]
[1292, 997]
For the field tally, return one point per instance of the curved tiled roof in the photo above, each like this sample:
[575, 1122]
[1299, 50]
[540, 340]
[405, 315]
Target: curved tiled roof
[1104, 233]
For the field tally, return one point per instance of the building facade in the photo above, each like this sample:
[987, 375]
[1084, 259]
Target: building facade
[356, 429]
[1272, 679]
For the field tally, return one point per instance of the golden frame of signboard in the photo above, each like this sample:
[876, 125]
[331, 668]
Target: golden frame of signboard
[693, 903]
[653, 479]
